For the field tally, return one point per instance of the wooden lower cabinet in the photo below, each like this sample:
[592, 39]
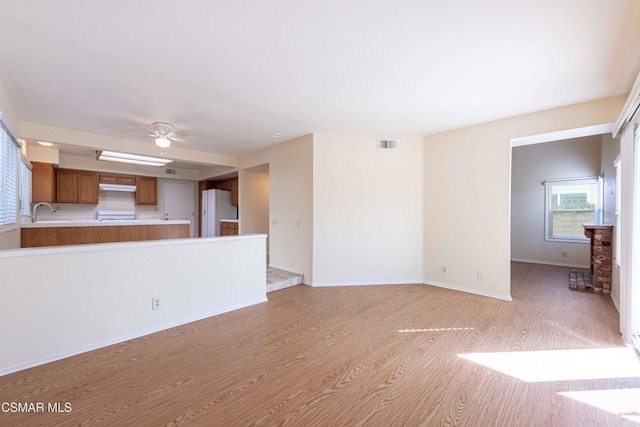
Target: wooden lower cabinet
[228, 228]
[62, 236]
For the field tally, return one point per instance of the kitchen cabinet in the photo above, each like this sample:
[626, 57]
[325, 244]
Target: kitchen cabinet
[74, 186]
[112, 178]
[61, 236]
[234, 191]
[146, 190]
[228, 228]
[42, 182]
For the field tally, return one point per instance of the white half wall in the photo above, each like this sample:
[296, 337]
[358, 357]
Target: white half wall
[532, 164]
[467, 206]
[290, 203]
[367, 210]
[57, 302]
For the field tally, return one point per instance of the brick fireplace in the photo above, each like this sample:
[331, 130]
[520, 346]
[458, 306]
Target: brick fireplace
[601, 255]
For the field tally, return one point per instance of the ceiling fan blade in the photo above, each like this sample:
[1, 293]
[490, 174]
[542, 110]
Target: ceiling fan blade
[145, 134]
[180, 134]
[149, 129]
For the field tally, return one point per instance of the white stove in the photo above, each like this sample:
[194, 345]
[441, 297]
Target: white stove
[116, 215]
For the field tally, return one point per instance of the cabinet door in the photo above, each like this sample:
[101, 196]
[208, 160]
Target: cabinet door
[66, 186]
[146, 190]
[108, 178]
[42, 182]
[234, 191]
[88, 188]
[126, 180]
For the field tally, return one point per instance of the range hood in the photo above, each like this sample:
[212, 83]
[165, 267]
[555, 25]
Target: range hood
[117, 187]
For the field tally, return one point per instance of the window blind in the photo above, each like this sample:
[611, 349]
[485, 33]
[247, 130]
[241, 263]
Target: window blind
[25, 187]
[9, 157]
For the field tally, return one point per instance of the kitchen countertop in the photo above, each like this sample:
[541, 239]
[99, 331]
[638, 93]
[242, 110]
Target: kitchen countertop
[103, 223]
[230, 220]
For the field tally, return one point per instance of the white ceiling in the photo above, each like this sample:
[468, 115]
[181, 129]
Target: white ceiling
[234, 72]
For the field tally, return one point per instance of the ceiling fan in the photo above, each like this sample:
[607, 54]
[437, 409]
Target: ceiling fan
[164, 133]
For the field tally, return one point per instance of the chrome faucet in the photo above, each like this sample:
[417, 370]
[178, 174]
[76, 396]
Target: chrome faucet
[34, 217]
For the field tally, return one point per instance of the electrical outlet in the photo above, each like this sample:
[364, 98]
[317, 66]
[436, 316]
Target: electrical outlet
[155, 303]
[564, 254]
[480, 275]
[443, 269]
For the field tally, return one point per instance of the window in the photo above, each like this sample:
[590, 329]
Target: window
[569, 204]
[9, 155]
[25, 187]
[617, 249]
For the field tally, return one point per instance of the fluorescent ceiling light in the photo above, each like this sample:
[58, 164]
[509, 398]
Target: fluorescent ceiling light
[113, 156]
[46, 144]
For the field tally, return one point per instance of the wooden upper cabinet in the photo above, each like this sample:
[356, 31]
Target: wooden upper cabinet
[112, 178]
[66, 186]
[146, 190]
[88, 187]
[234, 191]
[42, 182]
[76, 186]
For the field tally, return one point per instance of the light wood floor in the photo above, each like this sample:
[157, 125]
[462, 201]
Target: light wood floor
[374, 355]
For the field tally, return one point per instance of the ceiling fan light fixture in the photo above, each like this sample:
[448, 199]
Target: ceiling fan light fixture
[163, 142]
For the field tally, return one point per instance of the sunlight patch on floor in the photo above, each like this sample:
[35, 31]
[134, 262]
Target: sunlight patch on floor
[435, 329]
[562, 365]
[624, 402]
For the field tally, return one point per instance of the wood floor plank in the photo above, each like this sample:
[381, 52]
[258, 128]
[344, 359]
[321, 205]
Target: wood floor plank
[397, 355]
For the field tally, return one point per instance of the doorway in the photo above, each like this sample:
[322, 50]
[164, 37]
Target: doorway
[179, 202]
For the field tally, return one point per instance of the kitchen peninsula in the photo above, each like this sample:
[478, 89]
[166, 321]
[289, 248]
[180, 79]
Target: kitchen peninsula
[79, 232]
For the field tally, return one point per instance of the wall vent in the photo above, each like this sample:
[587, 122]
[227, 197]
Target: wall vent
[387, 144]
[171, 171]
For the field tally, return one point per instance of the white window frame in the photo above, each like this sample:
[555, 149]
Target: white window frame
[571, 181]
[617, 212]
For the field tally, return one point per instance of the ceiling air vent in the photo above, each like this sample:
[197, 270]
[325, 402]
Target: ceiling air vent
[171, 171]
[387, 144]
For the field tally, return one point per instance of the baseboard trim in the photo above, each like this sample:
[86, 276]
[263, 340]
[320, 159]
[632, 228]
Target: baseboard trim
[123, 338]
[557, 264]
[367, 283]
[467, 290]
[616, 303]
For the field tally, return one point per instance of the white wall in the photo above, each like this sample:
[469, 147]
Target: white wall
[367, 210]
[9, 235]
[290, 203]
[532, 164]
[57, 302]
[611, 150]
[467, 175]
[254, 202]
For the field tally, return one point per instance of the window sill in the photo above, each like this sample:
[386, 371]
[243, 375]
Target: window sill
[567, 240]
[8, 228]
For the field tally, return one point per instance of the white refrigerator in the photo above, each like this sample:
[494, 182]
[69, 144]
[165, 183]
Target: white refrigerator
[216, 205]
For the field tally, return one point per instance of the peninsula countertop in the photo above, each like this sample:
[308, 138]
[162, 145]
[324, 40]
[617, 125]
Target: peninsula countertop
[101, 223]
